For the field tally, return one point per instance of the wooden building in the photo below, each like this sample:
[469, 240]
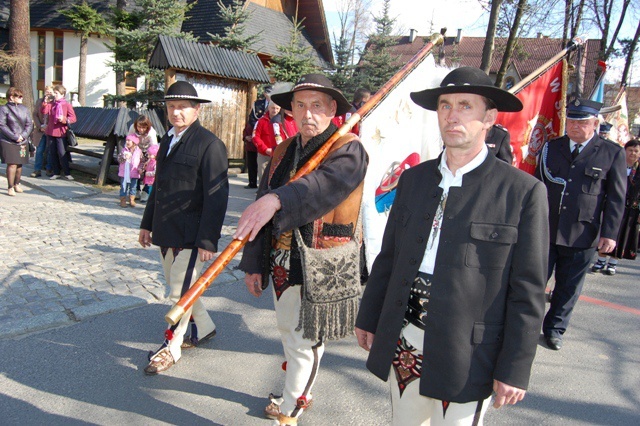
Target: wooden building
[228, 78]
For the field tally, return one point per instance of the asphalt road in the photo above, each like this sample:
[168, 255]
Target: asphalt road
[86, 368]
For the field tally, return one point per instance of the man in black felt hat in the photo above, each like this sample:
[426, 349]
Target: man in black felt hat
[454, 302]
[586, 181]
[184, 215]
[324, 205]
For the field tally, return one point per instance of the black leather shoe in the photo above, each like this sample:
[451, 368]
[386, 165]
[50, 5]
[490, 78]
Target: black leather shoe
[251, 187]
[553, 343]
[189, 342]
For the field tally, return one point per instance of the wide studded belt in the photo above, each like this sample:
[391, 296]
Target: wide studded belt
[416, 312]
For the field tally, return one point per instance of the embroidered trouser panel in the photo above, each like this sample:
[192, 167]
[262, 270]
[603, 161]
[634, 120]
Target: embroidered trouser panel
[302, 355]
[409, 407]
[181, 270]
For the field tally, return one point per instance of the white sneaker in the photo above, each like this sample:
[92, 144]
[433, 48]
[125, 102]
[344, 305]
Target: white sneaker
[54, 177]
[69, 177]
[144, 197]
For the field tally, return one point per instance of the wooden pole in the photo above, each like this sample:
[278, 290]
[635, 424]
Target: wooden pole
[205, 280]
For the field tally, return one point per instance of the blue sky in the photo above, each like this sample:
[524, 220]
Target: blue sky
[465, 14]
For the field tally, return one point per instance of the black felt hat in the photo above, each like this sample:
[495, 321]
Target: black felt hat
[181, 90]
[317, 82]
[467, 80]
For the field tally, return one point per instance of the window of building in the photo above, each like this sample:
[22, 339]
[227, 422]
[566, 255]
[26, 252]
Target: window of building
[131, 83]
[42, 47]
[58, 57]
[509, 82]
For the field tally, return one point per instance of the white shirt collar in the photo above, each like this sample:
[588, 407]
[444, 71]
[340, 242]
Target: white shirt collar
[471, 165]
[175, 138]
[572, 144]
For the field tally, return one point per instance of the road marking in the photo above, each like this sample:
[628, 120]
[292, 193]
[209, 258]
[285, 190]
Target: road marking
[610, 305]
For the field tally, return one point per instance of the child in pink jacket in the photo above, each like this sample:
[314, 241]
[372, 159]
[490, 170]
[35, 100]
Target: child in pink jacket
[129, 159]
[150, 166]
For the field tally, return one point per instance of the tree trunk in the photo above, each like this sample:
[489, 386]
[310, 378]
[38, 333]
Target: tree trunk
[568, 5]
[489, 41]
[614, 37]
[511, 43]
[632, 48]
[19, 36]
[607, 5]
[82, 72]
[578, 20]
[121, 86]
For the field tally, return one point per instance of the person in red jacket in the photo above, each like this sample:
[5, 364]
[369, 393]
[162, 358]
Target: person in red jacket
[60, 116]
[267, 136]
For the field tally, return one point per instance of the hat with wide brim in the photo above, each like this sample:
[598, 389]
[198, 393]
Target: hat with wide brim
[317, 82]
[468, 80]
[181, 90]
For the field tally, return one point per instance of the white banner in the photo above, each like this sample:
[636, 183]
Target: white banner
[397, 134]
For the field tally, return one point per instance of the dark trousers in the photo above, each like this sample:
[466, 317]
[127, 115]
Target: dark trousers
[59, 155]
[571, 266]
[252, 168]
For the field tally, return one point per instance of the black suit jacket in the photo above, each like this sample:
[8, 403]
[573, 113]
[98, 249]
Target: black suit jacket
[592, 203]
[487, 298]
[499, 143]
[188, 202]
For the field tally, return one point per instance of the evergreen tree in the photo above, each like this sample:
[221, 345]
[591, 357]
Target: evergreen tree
[295, 59]
[235, 16]
[342, 57]
[138, 37]
[85, 20]
[121, 18]
[377, 64]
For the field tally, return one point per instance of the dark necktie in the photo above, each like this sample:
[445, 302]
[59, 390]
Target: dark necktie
[575, 152]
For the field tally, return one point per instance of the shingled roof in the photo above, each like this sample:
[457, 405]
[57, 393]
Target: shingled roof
[45, 14]
[272, 27]
[533, 52]
[171, 52]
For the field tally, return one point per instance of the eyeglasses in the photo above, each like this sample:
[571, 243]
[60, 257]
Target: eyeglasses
[19, 97]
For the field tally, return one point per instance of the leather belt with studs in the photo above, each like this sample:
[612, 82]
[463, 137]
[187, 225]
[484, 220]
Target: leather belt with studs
[416, 312]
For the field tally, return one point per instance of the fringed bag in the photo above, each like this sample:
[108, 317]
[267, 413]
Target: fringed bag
[331, 289]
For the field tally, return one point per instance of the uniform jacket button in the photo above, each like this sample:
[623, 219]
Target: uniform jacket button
[399, 302]
[494, 235]
[412, 262]
[419, 240]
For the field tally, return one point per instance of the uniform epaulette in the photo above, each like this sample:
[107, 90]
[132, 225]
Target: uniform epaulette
[611, 142]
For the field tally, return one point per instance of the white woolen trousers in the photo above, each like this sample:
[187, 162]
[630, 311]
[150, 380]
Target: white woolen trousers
[180, 273]
[263, 160]
[302, 355]
[413, 409]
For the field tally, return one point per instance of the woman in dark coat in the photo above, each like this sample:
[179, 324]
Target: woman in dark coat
[15, 129]
[627, 242]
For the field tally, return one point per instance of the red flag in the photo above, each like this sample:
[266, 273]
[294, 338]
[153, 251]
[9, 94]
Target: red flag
[539, 120]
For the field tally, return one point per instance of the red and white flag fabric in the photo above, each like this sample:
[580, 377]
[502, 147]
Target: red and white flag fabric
[541, 118]
[620, 121]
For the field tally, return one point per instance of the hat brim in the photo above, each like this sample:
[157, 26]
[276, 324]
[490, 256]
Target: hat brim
[580, 116]
[185, 98]
[284, 99]
[504, 101]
